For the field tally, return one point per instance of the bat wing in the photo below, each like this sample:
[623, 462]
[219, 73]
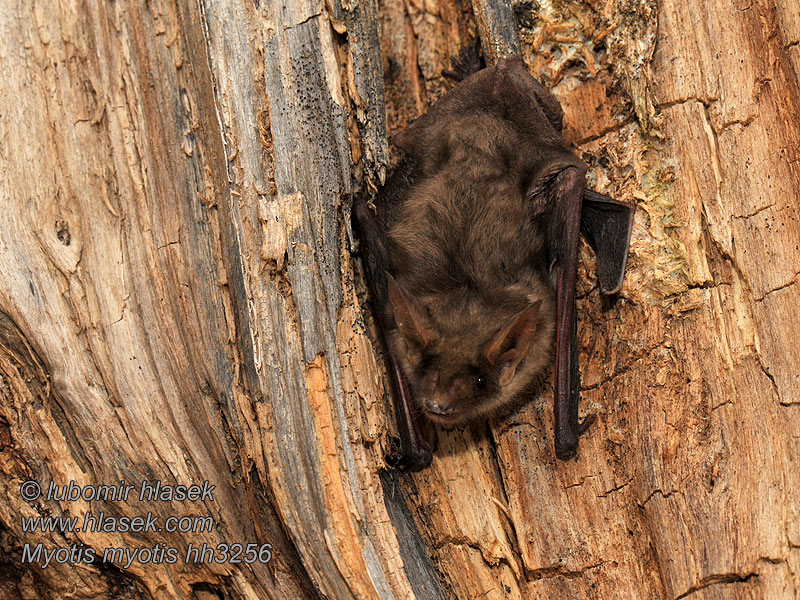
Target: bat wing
[411, 451]
[607, 223]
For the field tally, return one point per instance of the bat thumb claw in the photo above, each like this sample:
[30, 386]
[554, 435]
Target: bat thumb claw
[405, 458]
[586, 423]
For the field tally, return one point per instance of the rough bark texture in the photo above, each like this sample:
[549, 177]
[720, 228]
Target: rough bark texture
[178, 301]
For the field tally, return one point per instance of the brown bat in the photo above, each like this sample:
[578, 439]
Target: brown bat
[471, 258]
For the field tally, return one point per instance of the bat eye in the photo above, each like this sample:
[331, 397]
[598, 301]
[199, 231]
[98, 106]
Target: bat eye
[480, 382]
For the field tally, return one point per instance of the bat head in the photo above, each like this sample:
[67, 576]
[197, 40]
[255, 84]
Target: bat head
[468, 360]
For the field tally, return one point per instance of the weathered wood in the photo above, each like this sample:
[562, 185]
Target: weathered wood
[113, 279]
[178, 301]
[175, 253]
[497, 28]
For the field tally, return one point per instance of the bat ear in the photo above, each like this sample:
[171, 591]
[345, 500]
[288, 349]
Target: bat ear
[509, 346]
[426, 142]
[411, 316]
[517, 80]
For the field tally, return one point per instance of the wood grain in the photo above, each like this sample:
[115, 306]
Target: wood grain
[179, 300]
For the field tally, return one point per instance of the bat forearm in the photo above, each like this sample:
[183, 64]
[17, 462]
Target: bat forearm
[413, 451]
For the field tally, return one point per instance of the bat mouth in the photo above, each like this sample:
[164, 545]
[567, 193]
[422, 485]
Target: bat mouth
[449, 417]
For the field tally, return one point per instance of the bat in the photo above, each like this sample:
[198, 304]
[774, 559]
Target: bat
[471, 256]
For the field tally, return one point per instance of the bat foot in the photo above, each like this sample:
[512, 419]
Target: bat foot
[470, 60]
[361, 210]
[567, 442]
[409, 458]
[566, 449]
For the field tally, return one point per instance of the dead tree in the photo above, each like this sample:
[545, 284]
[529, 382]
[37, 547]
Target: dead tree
[179, 301]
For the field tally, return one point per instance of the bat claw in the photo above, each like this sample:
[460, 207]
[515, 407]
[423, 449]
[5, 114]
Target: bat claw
[408, 458]
[567, 442]
[470, 60]
[586, 423]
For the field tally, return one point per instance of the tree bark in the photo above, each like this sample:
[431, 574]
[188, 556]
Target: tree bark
[179, 301]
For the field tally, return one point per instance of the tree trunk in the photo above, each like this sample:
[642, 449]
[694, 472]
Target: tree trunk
[179, 303]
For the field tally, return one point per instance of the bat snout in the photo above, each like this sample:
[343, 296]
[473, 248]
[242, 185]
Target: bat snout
[439, 406]
[444, 405]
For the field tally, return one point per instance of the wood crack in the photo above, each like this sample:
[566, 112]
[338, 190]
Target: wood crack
[755, 212]
[580, 482]
[661, 492]
[605, 132]
[783, 286]
[561, 571]
[717, 579]
[464, 542]
[704, 101]
[615, 489]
